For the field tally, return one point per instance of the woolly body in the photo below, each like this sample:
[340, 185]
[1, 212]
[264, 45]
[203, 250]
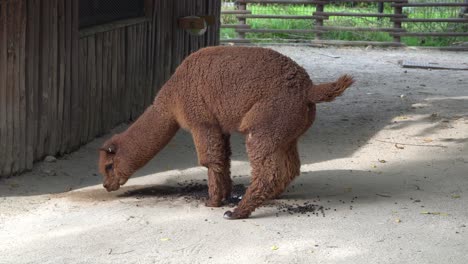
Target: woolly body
[213, 93]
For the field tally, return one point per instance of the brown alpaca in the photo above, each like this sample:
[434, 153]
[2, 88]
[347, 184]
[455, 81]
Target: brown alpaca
[217, 91]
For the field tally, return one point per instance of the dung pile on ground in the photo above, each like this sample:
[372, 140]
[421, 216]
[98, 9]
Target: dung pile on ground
[307, 209]
[191, 190]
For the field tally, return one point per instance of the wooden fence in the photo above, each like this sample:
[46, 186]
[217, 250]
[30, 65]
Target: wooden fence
[60, 87]
[397, 17]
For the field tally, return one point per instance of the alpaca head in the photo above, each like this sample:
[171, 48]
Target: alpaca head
[113, 165]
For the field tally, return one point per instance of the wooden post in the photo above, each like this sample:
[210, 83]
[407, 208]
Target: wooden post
[242, 21]
[319, 20]
[464, 10]
[380, 9]
[397, 10]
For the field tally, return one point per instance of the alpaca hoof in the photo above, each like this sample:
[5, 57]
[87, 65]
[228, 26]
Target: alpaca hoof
[228, 215]
[233, 215]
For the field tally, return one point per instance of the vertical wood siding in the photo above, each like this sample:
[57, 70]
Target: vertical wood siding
[58, 91]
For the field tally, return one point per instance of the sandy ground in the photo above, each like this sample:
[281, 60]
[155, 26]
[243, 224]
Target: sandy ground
[385, 166]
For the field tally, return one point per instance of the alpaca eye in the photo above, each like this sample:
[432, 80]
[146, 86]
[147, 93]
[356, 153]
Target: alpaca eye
[109, 167]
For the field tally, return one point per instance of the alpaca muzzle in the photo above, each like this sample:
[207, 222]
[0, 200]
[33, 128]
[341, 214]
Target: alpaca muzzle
[111, 183]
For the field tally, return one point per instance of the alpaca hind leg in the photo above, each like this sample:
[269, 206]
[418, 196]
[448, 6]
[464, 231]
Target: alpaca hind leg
[270, 176]
[211, 150]
[292, 165]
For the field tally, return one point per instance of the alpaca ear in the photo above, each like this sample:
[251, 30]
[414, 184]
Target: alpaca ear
[109, 149]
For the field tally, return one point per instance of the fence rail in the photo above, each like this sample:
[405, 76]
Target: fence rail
[396, 26]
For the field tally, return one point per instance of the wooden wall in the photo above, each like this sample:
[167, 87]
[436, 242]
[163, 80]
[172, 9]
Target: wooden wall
[60, 89]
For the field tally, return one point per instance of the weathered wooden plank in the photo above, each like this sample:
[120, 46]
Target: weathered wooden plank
[432, 34]
[32, 52]
[209, 11]
[328, 14]
[53, 77]
[83, 75]
[3, 88]
[274, 17]
[168, 28]
[138, 64]
[119, 65]
[181, 8]
[185, 39]
[107, 81]
[76, 110]
[432, 20]
[11, 80]
[217, 26]
[99, 87]
[151, 53]
[236, 26]
[67, 54]
[5, 59]
[356, 43]
[122, 76]
[158, 64]
[43, 93]
[115, 113]
[235, 41]
[22, 142]
[428, 4]
[235, 12]
[144, 70]
[141, 70]
[286, 31]
[61, 35]
[376, 29]
[131, 70]
[91, 87]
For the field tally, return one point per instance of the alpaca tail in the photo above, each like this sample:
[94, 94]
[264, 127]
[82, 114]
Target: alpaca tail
[327, 92]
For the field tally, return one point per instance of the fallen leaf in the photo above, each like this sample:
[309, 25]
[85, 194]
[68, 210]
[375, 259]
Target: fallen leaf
[165, 239]
[274, 248]
[399, 147]
[398, 220]
[428, 140]
[455, 196]
[434, 213]
[382, 161]
[383, 195]
[374, 166]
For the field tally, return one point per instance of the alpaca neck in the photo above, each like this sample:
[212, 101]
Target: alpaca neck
[148, 135]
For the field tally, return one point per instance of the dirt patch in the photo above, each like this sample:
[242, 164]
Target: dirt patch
[194, 191]
[189, 190]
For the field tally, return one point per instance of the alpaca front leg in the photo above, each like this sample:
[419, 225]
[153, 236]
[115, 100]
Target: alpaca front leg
[213, 153]
[226, 175]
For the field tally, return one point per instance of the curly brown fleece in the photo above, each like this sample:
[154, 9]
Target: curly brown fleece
[213, 93]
